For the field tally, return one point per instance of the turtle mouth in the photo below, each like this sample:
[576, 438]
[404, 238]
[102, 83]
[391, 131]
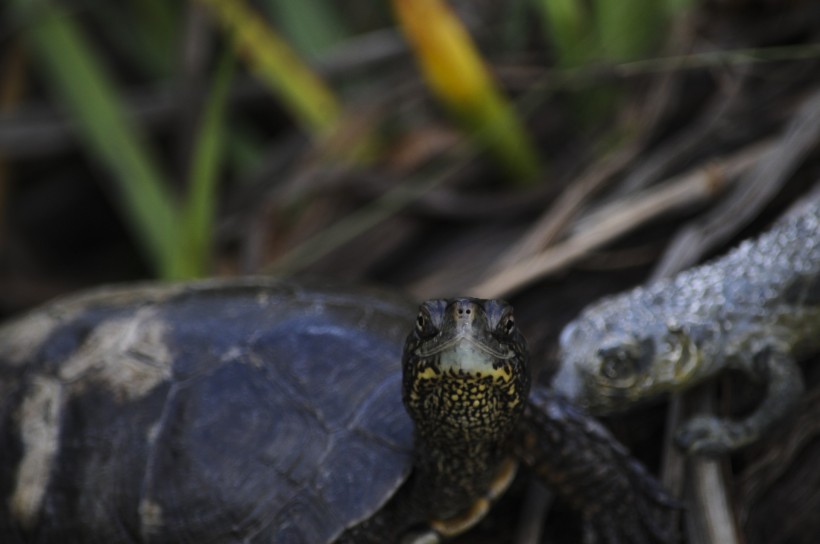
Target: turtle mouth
[452, 344]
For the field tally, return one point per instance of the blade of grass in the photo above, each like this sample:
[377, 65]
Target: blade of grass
[303, 93]
[312, 26]
[74, 73]
[569, 25]
[629, 29]
[456, 73]
[207, 158]
[144, 42]
[161, 17]
[583, 32]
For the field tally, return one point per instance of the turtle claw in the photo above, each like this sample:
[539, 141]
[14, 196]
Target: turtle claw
[708, 436]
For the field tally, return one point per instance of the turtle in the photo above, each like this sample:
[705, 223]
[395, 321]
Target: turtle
[288, 411]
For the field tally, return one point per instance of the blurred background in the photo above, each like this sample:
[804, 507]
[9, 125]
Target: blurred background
[546, 151]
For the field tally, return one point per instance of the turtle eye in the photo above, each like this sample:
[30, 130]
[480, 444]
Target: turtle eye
[507, 325]
[617, 364]
[616, 369]
[424, 325]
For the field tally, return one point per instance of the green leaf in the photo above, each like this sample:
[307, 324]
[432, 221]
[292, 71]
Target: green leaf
[75, 74]
[207, 158]
[139, 37]
[570, 27]
[629, 29]
[456, 73]
[312, 26]
[312, 103]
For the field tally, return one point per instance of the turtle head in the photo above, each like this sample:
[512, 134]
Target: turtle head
[465, 370]
[610, 363]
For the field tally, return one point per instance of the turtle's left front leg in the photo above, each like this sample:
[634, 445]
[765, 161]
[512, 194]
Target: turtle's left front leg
[579, 459]
[710, 435]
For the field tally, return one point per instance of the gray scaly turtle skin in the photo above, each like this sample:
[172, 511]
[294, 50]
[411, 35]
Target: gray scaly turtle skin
[757, 309]
[274, 411]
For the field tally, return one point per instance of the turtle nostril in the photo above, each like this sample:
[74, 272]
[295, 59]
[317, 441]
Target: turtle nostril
[463, 310]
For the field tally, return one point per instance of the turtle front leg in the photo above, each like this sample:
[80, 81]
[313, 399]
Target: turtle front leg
[579, 459]
[710, 435]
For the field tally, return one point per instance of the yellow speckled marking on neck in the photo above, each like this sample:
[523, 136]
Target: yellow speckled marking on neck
[500, 374]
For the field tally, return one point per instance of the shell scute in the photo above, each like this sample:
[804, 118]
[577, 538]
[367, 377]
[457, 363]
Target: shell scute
[220, 411]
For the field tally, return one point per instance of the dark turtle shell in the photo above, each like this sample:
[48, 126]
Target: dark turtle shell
[234, 411]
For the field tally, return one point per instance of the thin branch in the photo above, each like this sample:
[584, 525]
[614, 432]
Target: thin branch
[614, 220]
[552, 223]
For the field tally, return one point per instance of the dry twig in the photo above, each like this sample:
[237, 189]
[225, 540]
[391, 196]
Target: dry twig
[611, 221]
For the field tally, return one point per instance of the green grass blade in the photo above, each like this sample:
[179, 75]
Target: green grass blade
[135, 38]
[207, 158]
[161, 17]
[77, 77]
[569, 25]
[303, 93]
[456, 73]
[629, 29]
[312, 26]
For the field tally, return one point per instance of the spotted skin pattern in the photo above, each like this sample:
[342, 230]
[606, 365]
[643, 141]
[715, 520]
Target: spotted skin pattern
[468, 419]
[756, 310]
[262, 410]
[465, 412]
